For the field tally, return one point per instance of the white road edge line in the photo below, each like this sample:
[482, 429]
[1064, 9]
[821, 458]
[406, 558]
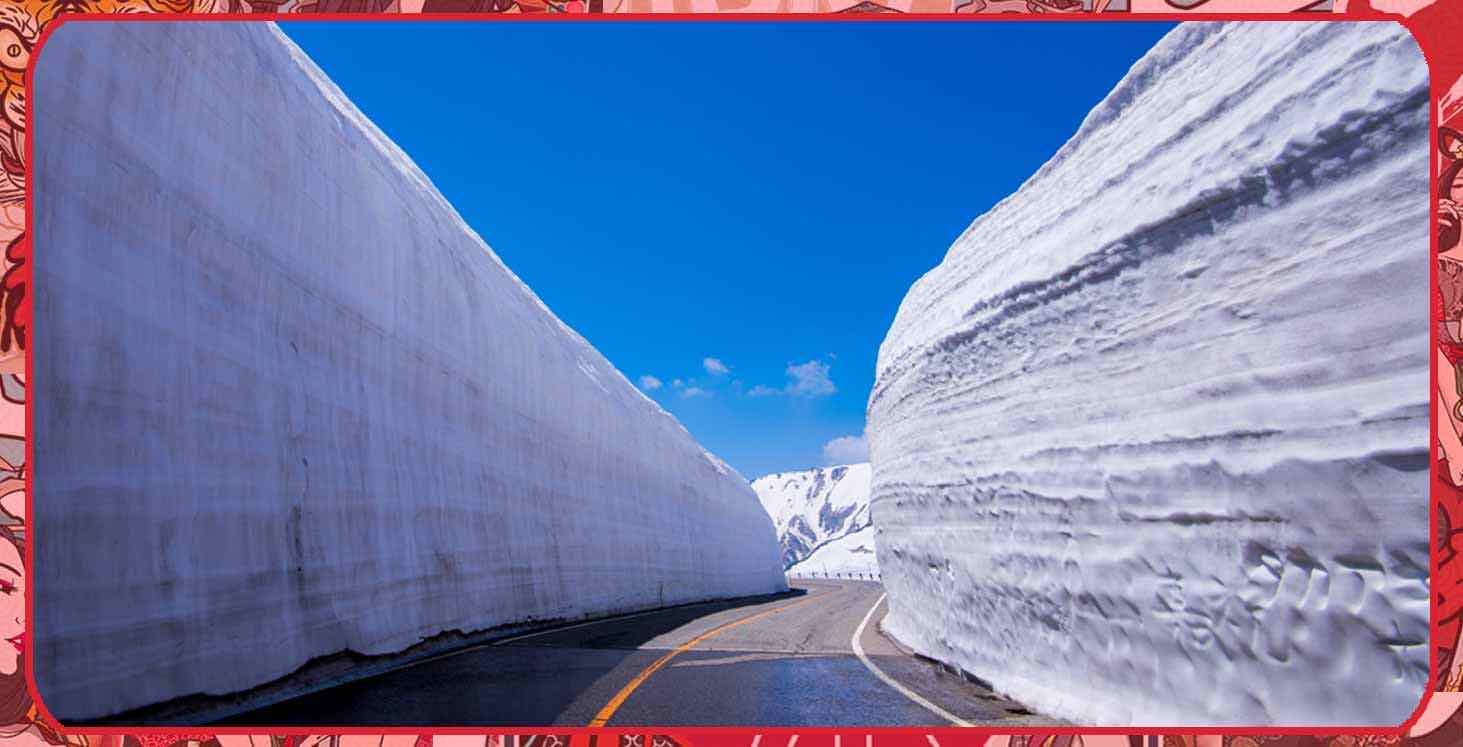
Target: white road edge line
[858, 650]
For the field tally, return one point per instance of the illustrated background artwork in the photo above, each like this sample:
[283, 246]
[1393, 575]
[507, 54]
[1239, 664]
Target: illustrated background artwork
[1436, 22]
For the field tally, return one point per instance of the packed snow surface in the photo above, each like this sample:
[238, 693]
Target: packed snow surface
[1150, 444]
[812, 508]
[288, 404]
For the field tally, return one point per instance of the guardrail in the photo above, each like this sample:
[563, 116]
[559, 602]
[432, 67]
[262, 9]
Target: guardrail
[843, 575]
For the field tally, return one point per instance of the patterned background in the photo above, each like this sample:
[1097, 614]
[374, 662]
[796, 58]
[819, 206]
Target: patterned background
[1438, 24]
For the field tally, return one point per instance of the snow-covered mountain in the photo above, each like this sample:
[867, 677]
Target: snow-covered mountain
[852, 553]
[815, 507]
[1152, 439]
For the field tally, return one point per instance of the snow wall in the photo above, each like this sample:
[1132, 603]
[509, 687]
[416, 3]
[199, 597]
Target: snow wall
[1150, 444]
[288, 404]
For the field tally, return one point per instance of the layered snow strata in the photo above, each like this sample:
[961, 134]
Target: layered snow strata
[1150, 444]
[811, 508]
[288, 404]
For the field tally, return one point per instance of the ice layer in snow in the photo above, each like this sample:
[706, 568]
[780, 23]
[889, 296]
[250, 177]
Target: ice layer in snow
[288, 404]
[1150, 444]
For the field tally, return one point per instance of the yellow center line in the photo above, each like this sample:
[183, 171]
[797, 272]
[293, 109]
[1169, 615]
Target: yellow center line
[604, 715]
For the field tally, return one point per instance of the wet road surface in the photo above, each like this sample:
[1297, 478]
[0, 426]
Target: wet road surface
[785, 662]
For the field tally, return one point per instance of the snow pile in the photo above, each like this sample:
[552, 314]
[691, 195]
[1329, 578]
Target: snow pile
[1149, 445]
[287, 404]
[813, 508]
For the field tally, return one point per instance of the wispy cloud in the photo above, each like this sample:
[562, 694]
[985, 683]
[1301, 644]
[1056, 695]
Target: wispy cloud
[650, 383]
[847, 449]
[715, 367]
[695, 391]
[809, 379]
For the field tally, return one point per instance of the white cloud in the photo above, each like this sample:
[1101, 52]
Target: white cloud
[809, 380]
[847, 450]
[650, 383]
[695, 391]
[803, 380]
[715, 367]
[677, 384]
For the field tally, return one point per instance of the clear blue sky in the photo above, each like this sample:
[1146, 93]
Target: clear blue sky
[759, 193]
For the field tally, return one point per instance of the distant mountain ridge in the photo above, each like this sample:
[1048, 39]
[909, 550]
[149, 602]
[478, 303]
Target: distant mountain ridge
[814, 508]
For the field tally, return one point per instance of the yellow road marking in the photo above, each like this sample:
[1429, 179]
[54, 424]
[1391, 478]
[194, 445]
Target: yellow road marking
[604, 715]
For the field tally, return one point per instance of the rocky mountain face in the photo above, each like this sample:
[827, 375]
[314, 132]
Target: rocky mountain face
[815, 507]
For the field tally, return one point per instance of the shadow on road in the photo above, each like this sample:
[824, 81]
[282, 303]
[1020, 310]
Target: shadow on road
[633, 631]
[558, 675]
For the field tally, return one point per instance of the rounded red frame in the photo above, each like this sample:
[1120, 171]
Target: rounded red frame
[1430, 27]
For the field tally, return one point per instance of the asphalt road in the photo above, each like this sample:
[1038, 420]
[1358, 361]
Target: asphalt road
[785, 662]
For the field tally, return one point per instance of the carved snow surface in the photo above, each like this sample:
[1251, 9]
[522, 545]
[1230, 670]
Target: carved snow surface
[288, 404]
[1150, 445]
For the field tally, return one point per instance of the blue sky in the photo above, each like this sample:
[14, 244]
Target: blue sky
[737, 207]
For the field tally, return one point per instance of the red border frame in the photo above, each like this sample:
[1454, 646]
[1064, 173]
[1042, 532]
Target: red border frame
[1445, 63]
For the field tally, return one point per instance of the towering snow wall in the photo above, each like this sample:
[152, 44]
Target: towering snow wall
[288, 404]
[1150, 444]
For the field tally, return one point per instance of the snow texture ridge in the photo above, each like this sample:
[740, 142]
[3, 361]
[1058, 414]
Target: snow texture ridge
[812, 508]
[287, 404]
[1150, 444]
